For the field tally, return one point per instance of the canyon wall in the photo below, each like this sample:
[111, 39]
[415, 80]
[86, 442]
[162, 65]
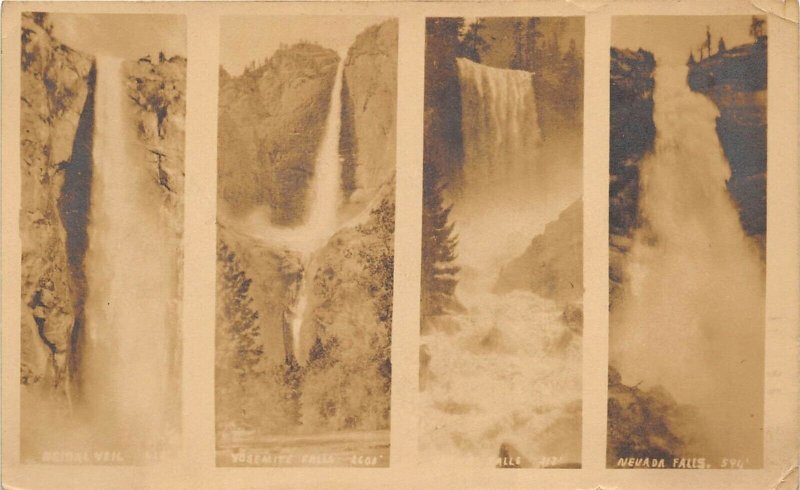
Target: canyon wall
[56, 105]
[369, 104]
[736, 80]
[632, 134]
[271, 120]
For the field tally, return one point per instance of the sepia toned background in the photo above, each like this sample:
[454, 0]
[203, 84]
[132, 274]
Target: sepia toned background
[194, 467]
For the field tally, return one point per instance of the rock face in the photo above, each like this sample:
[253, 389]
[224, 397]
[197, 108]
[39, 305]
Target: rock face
[644, 423]
[632, 136]
[271, 120]
[736, 80]
[56, 104]
[552, 265]
[369, 104]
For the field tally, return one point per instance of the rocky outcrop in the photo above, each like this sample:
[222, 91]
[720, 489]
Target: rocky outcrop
[552, 265]
[631, 137]
[736, 80]
[158, 90]
[57, 86]
[369, 105]
[271, 120]
[643, 423]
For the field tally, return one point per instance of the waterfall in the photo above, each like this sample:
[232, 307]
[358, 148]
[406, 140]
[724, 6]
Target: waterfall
[129, 274]
[500, 124]
[321, 222]
[692, 319]
[506, 186]
[512, 345]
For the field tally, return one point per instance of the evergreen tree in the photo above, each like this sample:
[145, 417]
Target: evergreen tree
[757, 28]
[691, 59]
[473, 44]
[439, 273]
[518, 58]
[721, 48]
[235, 314]
[531, 35]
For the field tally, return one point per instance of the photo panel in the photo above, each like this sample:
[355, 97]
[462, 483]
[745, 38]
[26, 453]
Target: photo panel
[305, 240]
[102, 110]
[687, 242]
[502, 242]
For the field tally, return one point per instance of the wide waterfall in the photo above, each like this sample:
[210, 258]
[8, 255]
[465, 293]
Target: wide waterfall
[512, 345]
[506, 184]
[692, 319]
[129, 276]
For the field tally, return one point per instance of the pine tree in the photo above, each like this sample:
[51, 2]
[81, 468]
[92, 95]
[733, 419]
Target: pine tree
[439, 273]
[473, 44]
[757, 28]
[531, 35]
[518, 58]
[235, 314]
[721, 48]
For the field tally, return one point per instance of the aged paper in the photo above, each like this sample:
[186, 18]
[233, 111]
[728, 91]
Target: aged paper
[400, 244]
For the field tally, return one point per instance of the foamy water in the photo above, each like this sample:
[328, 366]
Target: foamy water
[508, 370]
[692, 319]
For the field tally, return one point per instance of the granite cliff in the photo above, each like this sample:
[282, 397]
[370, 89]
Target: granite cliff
[271, 120]
[631, 137]
[552, 265]
[736, 80]
[56, 130]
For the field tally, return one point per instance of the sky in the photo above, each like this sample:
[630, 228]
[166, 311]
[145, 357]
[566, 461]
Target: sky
[670, 38]
[245, 39]
[128, 36]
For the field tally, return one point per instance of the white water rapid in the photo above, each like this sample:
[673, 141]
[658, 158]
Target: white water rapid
[506, 371]
[129, 276]
[692, 319]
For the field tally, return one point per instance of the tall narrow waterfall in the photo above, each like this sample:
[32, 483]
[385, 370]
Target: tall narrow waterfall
[325, 199]
[129, 274]
[692, 319]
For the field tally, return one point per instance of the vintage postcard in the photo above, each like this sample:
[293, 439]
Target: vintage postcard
[400, 244]
[101, 220]
[305, 257]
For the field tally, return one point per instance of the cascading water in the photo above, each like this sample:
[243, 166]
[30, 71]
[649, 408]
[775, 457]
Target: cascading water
[510, 345]
[692, 319]
[128, 275]
[322, 217]
[507, 186]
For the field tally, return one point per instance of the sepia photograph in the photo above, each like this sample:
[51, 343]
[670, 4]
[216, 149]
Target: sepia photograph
[102, 108]
[687, 242]
[305, 240]
[502, 243]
